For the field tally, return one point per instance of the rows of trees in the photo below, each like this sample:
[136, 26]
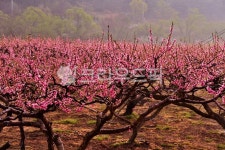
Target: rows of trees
[128, 19]
[38, 76]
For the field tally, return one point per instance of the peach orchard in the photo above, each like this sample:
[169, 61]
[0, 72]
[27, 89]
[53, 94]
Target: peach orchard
[43, 75]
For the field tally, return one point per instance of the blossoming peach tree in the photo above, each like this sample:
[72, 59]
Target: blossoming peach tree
[42, 75]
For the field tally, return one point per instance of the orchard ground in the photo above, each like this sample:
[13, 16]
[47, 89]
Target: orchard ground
[175, 128]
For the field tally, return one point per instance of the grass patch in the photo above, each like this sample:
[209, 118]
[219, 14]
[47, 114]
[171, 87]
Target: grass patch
[188, 143]
[67, 121]
[91, 122]
[61, 130]
[119, 143]
[187, 114]
[208, 140]
[189, 137]
[167, 145]
[132, 116]
[220, 146]
[213, 131]
[197, 122]
[101, 137]
[163, 127]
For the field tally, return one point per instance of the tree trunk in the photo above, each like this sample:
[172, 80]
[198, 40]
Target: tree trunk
[129, 108]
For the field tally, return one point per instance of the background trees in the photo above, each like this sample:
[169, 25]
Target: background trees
[84, 23]
[138, 10]
[4, 21]
[192, 26]
[35, 21]
[127, 18]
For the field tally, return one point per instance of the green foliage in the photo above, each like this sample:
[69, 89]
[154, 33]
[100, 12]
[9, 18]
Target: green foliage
[141, 31]
[160, 28]
[84, 22]
[36, 22]
[127, 19]
[138, 8]
[192, 26]
[164, 11]
[33, 21]
[4, 21]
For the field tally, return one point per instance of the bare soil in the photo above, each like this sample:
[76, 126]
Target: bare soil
[174, 128]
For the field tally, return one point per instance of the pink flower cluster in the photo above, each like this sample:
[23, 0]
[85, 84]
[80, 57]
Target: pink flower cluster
[29, 68]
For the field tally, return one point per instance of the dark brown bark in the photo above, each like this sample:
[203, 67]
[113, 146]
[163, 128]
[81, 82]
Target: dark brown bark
[130, 107]
[58, 142]
[22, 135]
[5, 146]
[220, 119]
[49, 132]
[102, 118]
[114, 131]
[142, 118]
